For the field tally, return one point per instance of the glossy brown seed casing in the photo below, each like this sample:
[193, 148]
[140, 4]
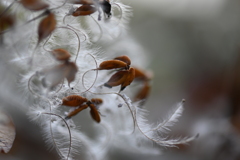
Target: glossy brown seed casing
[96, 101]
[94, 113]
[73, 101]
[116, 79]
[125, 59]
[112, 64]
[84, 10]
[76, 111]
[46, 26]
[123, 78]
[129, 78]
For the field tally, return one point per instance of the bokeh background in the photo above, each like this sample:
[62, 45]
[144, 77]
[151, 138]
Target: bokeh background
[193, 47]
[194, 51]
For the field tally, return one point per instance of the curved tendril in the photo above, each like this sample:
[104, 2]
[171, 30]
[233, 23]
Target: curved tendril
[119, 21]
[50, 109]
[100, 28]
[87, 72]
[78, 50]
[120, 18]
[78, 31]
[64, 19]
[69, 131]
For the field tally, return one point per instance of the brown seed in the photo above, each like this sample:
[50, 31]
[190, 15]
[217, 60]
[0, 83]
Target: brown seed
[94, 113]
[34, 5]
[61, 54]
[125, 59]
[46, 27]
[88, 9]
[112, 64]
[96, 101]
[129, 78]
[84, 10]
[76, 111]
[116, 79]
[123, 78]
[73, 101]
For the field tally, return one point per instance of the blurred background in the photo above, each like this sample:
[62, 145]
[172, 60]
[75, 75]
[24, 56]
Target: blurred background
[194, 52]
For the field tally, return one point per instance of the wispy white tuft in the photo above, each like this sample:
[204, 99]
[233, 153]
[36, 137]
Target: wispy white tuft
[171, 119]
[158, 133]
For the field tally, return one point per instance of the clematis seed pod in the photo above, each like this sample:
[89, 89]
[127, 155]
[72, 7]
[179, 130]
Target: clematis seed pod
[73, 101]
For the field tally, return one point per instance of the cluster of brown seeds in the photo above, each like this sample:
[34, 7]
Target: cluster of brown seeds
[123, 77]
[82, 103]
[124, 74]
